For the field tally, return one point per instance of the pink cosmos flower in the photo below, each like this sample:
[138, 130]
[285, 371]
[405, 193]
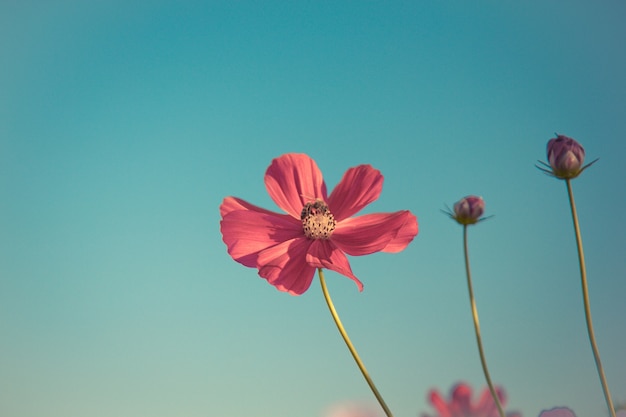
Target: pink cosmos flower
[461, 405]
[318, 230]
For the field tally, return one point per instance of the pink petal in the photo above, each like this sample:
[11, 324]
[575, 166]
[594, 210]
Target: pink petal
[292, 180]
[285, 267]
[485, 399]
[487, 405]
[323, 254]
[247, 232]
[461, 400]
[233, 203]
[362, 235]
[404, 235]
[435, 399]
[359, 186]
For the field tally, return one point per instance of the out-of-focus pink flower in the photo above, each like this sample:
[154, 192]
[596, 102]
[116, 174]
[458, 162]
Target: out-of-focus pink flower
[565, 157]
[558, 412]
[317, 231]
[460, 403]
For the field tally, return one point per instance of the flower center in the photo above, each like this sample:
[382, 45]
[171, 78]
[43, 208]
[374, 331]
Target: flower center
[317, 220]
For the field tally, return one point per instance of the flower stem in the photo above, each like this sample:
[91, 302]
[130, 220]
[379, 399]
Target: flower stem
[353, 351]
[583, 277]
[477, 325]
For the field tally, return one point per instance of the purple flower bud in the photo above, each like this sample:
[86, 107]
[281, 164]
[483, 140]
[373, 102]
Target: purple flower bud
[469, 209]
[566, 157]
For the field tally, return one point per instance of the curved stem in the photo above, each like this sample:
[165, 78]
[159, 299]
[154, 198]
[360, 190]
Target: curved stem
[353, 351]
[477, 326]
[583, 277]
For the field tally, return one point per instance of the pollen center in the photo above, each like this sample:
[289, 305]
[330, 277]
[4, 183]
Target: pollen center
[317, 221]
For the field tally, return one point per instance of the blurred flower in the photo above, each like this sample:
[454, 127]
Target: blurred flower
[317, 231]
[468, 210]
[565, 157]
[557, 412]
[460, 403]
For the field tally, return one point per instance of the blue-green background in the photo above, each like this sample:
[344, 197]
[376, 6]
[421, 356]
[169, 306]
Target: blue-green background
[123, 125]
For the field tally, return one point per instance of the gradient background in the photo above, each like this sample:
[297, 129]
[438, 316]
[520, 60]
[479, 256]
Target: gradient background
[123, 126]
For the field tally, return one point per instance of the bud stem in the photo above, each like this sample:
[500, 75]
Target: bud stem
[353, 351]
[583, 277]
[483, 361]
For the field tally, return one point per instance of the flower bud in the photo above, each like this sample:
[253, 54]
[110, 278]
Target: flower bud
[566, 157]
[469, 209]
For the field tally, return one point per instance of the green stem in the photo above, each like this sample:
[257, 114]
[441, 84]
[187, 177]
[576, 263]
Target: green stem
[477, 325]
[353, 351]
[583, 277]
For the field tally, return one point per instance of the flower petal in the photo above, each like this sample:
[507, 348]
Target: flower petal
[246, 232]
[285, 267]
[461, 400]
[292, 180]
[233, 203]
[388, 232]
[359, 186]
[436, 400]
[323, 254]
[486, 404]
[404, 234]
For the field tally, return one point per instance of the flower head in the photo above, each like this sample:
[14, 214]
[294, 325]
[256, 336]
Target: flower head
[468, 210]
[565, 157]
[460, 403]
[317, 230]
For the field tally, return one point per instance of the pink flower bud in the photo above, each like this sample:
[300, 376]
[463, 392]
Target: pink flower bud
[469, 209]
[566, 157]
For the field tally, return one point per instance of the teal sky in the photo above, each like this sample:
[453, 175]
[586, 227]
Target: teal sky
[123, 126]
